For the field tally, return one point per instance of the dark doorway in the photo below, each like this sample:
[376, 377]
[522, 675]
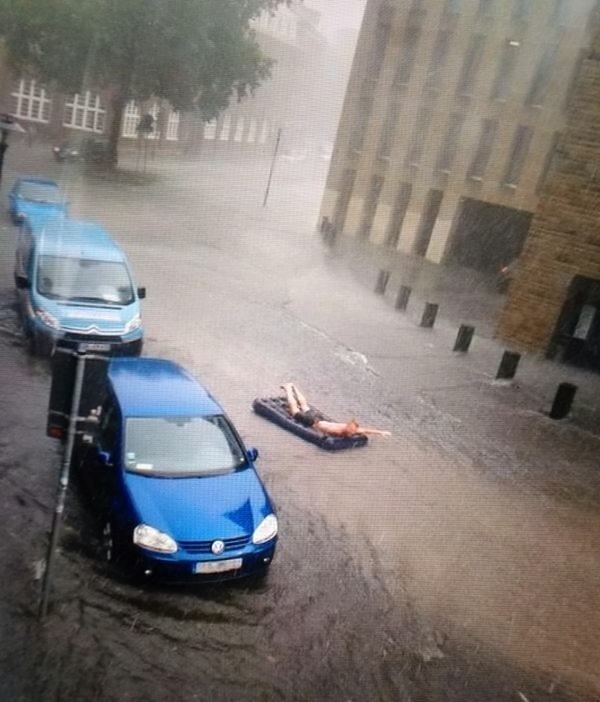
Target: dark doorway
[428, 218]
[370, 206]
[487, 237]
[577, 333]
[341, 207]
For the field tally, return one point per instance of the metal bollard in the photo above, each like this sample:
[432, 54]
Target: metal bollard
[403, 297]
[508, 365]
[382, 281]
[464, 338]
[429, 315]
[563, 400]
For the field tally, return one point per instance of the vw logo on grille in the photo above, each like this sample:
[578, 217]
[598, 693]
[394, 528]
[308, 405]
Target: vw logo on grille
[217, 547]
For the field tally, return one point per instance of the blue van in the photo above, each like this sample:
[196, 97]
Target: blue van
[75, 285]
[177, 492]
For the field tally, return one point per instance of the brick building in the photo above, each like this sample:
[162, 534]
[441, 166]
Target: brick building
[554, 300]
[289, 36]
[452, 113]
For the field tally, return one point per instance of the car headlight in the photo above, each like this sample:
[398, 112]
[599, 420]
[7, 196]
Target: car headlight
[266, 530]
[133, 324]
[48, 319]
[153, 539]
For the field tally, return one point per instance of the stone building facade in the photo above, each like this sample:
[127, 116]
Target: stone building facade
[554, 299]
[452, 113]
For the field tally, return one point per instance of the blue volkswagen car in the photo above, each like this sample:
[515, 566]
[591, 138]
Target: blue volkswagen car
[177, 491]
[34, 198]
[75, 286]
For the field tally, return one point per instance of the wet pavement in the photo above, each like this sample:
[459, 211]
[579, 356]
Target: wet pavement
[449, 563]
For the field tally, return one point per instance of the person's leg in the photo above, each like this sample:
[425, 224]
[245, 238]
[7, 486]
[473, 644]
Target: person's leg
[302, 401]
[291, 399]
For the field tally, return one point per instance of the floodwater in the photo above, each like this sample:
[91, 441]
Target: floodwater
[399, 575]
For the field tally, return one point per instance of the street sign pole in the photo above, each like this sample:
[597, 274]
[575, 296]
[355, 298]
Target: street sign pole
[63, 485]
[272, 167]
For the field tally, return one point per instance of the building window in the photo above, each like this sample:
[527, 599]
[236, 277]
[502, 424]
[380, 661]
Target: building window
[30, 101]
[521, 11]
[438, 61]
[399, 213]
[239, 129]
[382, 33]
[251, 138]
[541, 79]
[343, 200]
[389, 128]
[518, 154]
[419, 136]
[370, 206]
[429, 217]
[479, 164]
[406, 60]
[449, 147]
[172, 126]
[131, 119]
[85, 112]
[547, 163]
[506, 68]
[225, 128]
[470, 66]
[210, 130]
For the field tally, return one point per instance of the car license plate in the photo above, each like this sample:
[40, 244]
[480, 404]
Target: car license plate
[218, 566]
[94, 347]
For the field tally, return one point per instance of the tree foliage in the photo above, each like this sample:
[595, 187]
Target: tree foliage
[194, 53]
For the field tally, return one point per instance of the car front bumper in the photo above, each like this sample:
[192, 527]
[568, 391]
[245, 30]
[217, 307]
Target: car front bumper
[46, 340]
[180, 567]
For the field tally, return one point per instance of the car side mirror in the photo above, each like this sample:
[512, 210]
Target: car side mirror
[22, 282]
[141, 293]
[252, 454]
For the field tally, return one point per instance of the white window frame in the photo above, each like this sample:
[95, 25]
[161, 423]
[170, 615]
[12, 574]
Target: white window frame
[81, 110]
[225, 128]
[238, 135]
[252, 130]
[173, 126]
[210, 130]
[31, 102]
[131, 119]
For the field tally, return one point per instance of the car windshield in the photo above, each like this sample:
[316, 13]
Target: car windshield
[40, 192]
[182, 446]
[84, 280]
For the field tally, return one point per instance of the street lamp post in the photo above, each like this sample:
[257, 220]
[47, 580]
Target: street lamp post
[7, 124]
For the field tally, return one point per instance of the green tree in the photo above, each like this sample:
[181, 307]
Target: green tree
[196, 54]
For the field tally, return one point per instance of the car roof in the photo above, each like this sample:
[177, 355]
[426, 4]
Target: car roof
[37, 180]
[74, 238]
[154, 387]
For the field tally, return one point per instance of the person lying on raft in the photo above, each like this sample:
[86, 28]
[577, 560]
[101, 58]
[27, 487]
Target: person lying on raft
[303, 413]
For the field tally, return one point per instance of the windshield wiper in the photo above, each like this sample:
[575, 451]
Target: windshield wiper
[99, 300]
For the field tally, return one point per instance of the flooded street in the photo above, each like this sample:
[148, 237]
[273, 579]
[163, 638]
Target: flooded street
[418, 568]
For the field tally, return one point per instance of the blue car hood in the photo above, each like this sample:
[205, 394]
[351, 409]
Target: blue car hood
[200, 509]
[39, 210]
